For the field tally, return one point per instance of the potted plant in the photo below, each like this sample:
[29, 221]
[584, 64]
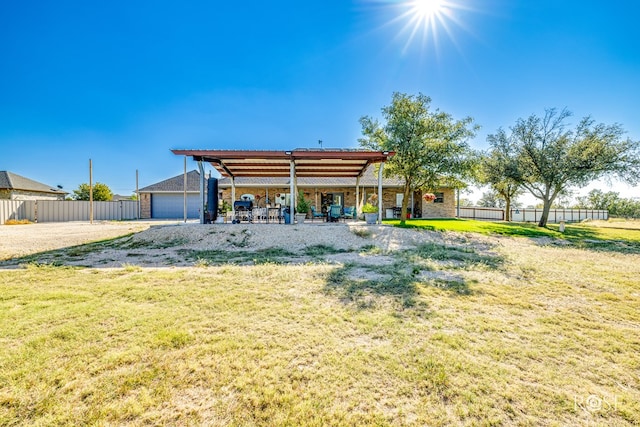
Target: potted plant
[429, 197]
[223, 208]
[302, 208]
[370, 209]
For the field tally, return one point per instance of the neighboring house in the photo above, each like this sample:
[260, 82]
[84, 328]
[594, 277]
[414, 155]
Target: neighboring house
[16, 187]
[120, 197]
[322, 192]
[165, 199]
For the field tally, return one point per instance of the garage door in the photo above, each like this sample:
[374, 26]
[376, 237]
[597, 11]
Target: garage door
[171, 206]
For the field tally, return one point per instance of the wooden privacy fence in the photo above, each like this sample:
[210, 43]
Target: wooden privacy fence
[533, 215]
[66, 210]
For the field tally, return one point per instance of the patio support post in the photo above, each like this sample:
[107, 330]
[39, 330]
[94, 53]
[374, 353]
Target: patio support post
[380, 193]
[202, 198]
[233, 197]
[358, 208]
[292, 189]
[412, 202]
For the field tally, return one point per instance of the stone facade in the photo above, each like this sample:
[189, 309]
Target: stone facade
[390, 196]
[145, 205]
[444, 209]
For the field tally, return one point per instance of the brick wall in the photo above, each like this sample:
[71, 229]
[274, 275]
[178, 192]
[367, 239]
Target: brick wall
[447, 209]
[429, 210]
[313, 195]
[145, 205]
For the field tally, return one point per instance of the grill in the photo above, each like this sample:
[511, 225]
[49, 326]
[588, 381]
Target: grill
[239, 205]
[244, 211]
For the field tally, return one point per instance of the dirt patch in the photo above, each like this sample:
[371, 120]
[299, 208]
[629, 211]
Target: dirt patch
[154, 244]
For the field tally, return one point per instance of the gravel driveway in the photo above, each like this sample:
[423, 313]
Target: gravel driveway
[26, 239]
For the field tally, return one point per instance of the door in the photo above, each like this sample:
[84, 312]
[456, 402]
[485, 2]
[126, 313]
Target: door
[171, 206]
[329, 199]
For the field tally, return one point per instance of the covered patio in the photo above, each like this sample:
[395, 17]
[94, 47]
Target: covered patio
[294, 164]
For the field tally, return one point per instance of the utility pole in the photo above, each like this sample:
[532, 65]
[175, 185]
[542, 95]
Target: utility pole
[90, 192]
[320, 143]
[137, 194]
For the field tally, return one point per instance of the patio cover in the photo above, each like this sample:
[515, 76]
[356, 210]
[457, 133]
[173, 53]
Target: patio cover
[348, 163]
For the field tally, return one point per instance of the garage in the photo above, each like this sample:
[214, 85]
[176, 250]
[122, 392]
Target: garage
[171, 206]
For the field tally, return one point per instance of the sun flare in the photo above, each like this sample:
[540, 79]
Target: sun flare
[427, 23]
[427, 9]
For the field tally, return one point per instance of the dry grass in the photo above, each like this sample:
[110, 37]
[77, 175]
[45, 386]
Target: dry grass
[531, 335]
[17, 222]
[629, 224]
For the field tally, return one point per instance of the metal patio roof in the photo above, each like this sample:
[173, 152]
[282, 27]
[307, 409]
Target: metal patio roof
[346, 163]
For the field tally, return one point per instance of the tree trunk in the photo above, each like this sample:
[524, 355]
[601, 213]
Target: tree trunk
[405, 203]
[545, 212]
[507, 209]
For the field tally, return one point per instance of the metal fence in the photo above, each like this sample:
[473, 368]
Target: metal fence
[16, 209]
[533, 215]
[557, 215]
[492, 214]
[66, 210]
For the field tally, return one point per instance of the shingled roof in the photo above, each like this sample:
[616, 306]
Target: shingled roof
[175, 184]
[12, 181]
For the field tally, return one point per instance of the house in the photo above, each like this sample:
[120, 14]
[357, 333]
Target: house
[120, 197]
[325, 176]
[16, 187]
[322, 192]
[165, 199]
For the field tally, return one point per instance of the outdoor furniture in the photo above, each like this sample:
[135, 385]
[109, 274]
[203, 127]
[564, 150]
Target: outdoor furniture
[315, 214]
[334, 213]
[349, 212]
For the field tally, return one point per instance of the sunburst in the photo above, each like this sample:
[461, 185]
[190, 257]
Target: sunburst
[424, 20]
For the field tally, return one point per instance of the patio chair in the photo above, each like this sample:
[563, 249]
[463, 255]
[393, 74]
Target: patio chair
[335, 212]
[349, 212]
[315, 214]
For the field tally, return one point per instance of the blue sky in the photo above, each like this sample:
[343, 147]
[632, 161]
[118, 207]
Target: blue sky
[123, 82]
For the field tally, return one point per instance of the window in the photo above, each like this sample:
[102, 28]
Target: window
[439, 198]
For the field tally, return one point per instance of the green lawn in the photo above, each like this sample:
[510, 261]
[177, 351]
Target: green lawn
[531, 335]
[576, 233]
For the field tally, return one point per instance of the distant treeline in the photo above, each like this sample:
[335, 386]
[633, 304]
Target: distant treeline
[611, 201]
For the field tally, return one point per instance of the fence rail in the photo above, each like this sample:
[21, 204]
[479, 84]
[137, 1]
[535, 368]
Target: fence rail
[493, 214]
[66, 210]
[557, 215]
[533, 215]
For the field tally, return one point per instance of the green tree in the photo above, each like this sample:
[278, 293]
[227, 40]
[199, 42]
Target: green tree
[490, 199]
[497, 168]
[551, 159]
[101, 192]
[610, 201]
[464, 202]
[430, 146]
